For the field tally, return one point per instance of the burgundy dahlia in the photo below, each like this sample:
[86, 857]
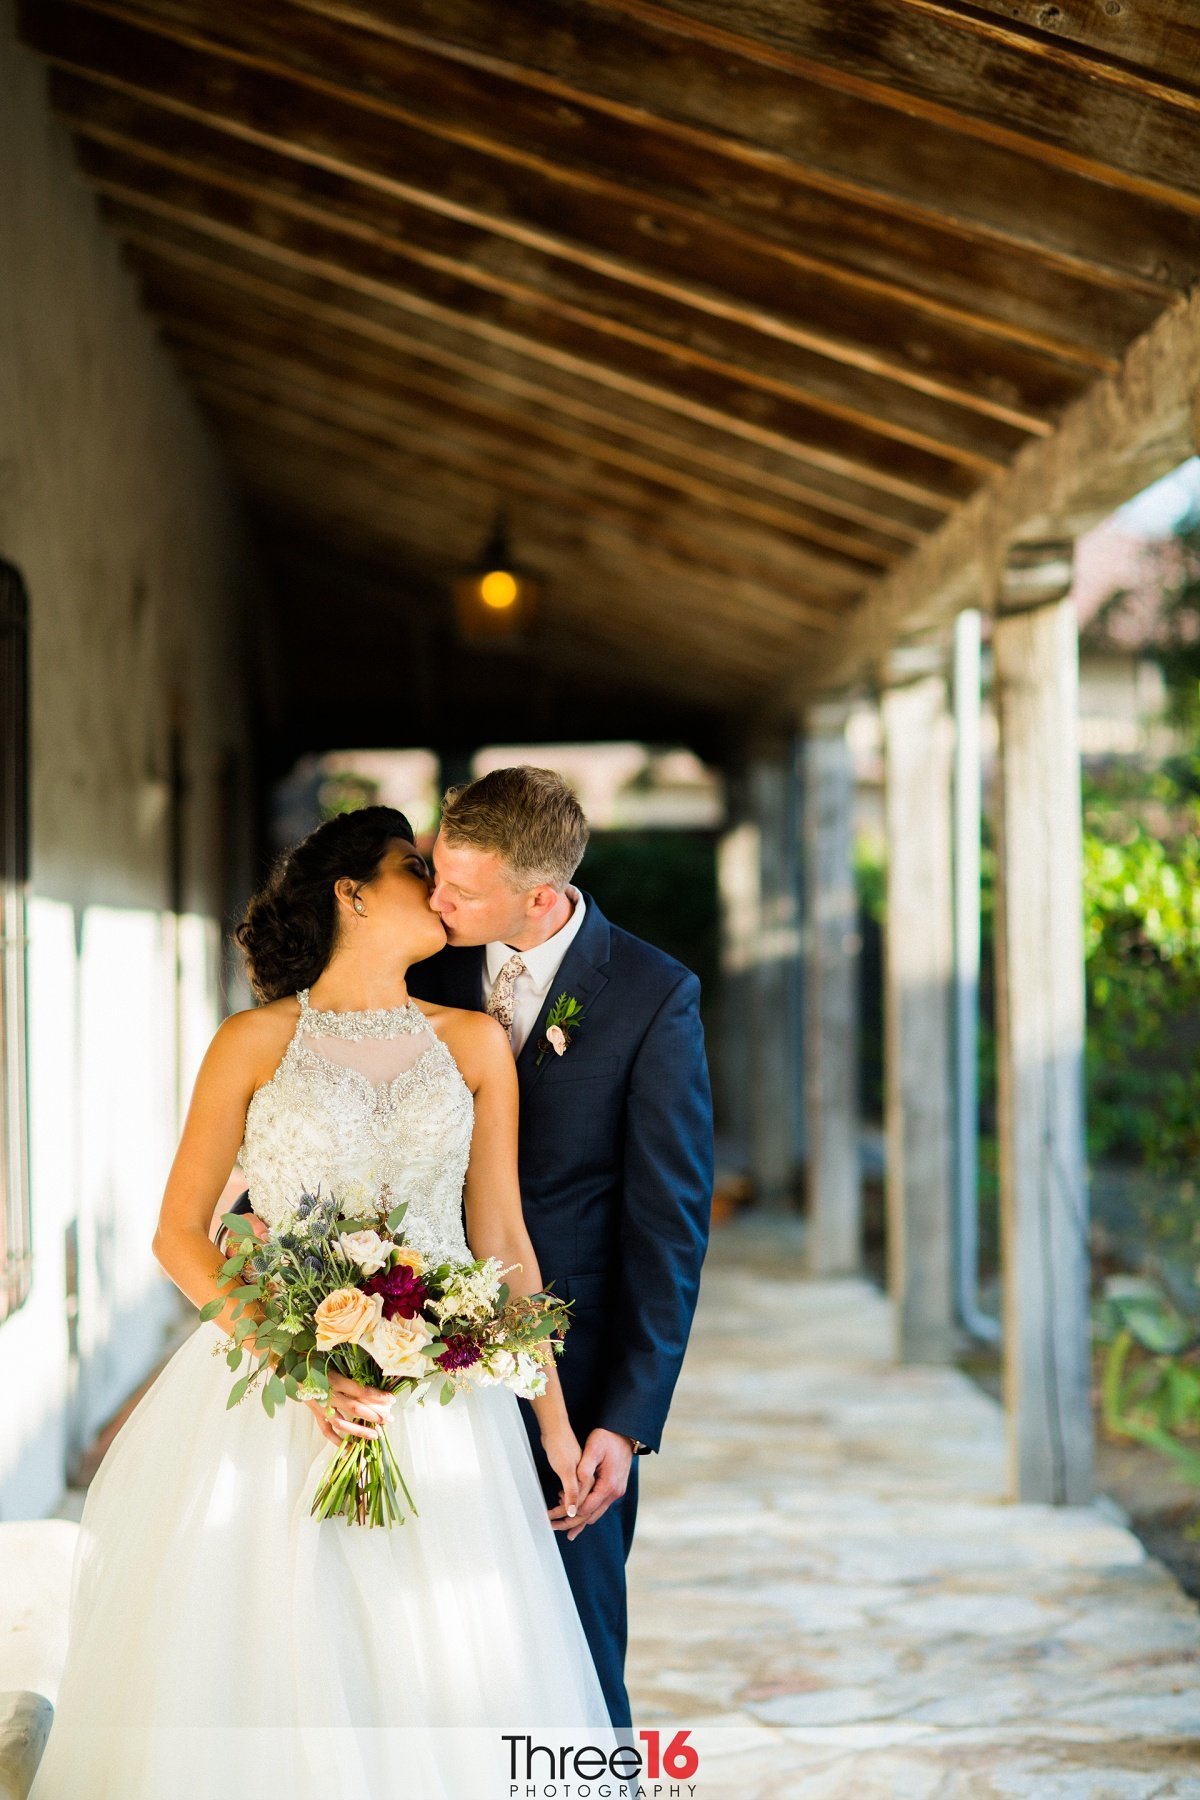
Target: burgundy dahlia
[403, 1291]
[459, 1353]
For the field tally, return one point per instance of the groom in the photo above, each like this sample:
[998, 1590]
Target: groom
[615, 1143]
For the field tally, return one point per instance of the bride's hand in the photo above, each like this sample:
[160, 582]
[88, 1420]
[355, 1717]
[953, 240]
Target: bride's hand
[358, 1411]
[563, 1454]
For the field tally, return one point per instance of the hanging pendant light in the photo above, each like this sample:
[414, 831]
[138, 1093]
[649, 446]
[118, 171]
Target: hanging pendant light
[495, 603]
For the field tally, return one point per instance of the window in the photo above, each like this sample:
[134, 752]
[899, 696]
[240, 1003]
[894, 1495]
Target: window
[15, 1218]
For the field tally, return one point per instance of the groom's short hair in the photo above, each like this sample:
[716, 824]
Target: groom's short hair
[530, 818]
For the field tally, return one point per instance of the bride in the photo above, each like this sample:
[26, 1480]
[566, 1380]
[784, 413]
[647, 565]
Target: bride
[218, 1632]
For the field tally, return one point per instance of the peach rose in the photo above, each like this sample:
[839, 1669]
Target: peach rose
[409, 1259]
[396, 1345]
[556, 1038]
[346, 1316]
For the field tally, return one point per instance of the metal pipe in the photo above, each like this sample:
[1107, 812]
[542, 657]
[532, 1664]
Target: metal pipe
[967, 820]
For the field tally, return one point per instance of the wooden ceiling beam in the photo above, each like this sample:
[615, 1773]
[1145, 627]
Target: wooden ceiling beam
[576, 312]
[1155, 41]
[1031, 250]
[475, 71]
[800, 579]
[295, 258]
[374, 385]
[511, 468]
[273, 136]
[184, 285]
[673, 542]
[945, 66]
[1125, 433]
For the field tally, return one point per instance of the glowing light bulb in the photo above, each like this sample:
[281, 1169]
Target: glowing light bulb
[498, 589]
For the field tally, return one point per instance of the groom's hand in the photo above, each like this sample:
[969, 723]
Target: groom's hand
[604, 1468]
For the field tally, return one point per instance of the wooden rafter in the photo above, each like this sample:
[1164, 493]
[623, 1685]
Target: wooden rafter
[271, 136]
[180, 279]
[774, 322]
[472, 67]
[330, 366]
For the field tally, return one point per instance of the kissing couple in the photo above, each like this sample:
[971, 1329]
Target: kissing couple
[478, 1040]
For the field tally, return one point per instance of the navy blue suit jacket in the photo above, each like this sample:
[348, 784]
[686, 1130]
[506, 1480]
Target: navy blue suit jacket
[616, 1164]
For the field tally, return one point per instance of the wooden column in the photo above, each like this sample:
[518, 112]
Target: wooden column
[918, 990]
[759, 888]
[831, 938]
[1040, 1022]
[775, 1095]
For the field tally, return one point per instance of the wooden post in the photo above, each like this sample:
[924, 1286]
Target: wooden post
[758, 880]
[918, 988]
[831, 998]
[775, 1094]
[1040, 1021]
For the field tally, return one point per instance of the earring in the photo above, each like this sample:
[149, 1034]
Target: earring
[360, 908]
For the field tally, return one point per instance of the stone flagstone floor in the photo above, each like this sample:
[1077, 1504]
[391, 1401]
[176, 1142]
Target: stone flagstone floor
[830, 1590]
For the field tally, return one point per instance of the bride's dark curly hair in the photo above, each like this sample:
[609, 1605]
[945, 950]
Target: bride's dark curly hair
[290, 927]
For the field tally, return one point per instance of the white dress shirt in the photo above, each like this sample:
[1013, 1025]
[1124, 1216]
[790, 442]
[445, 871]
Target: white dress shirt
[542, 964]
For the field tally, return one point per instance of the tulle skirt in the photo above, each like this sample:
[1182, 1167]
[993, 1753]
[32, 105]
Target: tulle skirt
[220, 1635]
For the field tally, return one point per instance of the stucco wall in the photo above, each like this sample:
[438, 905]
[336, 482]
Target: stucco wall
[115, 508]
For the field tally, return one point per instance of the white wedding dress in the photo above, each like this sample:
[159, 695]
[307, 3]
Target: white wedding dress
[220, 1635]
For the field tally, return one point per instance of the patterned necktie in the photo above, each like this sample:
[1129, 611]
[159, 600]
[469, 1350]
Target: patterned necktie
[503, 1002]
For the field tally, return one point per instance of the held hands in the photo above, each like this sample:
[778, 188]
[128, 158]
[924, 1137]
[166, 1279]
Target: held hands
[602, 1476]
[565, 1458]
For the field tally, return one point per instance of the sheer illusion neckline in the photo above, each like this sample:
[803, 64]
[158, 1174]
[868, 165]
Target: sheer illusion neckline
[377, 1022]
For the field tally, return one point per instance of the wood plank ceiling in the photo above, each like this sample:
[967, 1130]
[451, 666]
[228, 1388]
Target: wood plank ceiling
[730, 305]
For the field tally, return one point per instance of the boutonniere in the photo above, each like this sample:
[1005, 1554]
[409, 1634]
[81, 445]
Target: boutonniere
[564, 1020]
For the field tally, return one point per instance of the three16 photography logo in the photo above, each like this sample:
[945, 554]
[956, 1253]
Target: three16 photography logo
[658, 1767]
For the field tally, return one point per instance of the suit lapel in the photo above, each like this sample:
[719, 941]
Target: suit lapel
[583, 975]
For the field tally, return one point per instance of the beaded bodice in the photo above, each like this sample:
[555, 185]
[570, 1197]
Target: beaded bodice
[362, 1102]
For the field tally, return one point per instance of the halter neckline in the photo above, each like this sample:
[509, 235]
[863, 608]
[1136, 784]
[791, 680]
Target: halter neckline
[380, 1021]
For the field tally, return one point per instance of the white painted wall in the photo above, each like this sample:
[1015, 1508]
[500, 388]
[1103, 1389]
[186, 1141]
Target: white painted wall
[115, 508]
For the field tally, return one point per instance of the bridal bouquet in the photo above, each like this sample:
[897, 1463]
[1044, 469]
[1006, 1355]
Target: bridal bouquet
[345, 1292]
